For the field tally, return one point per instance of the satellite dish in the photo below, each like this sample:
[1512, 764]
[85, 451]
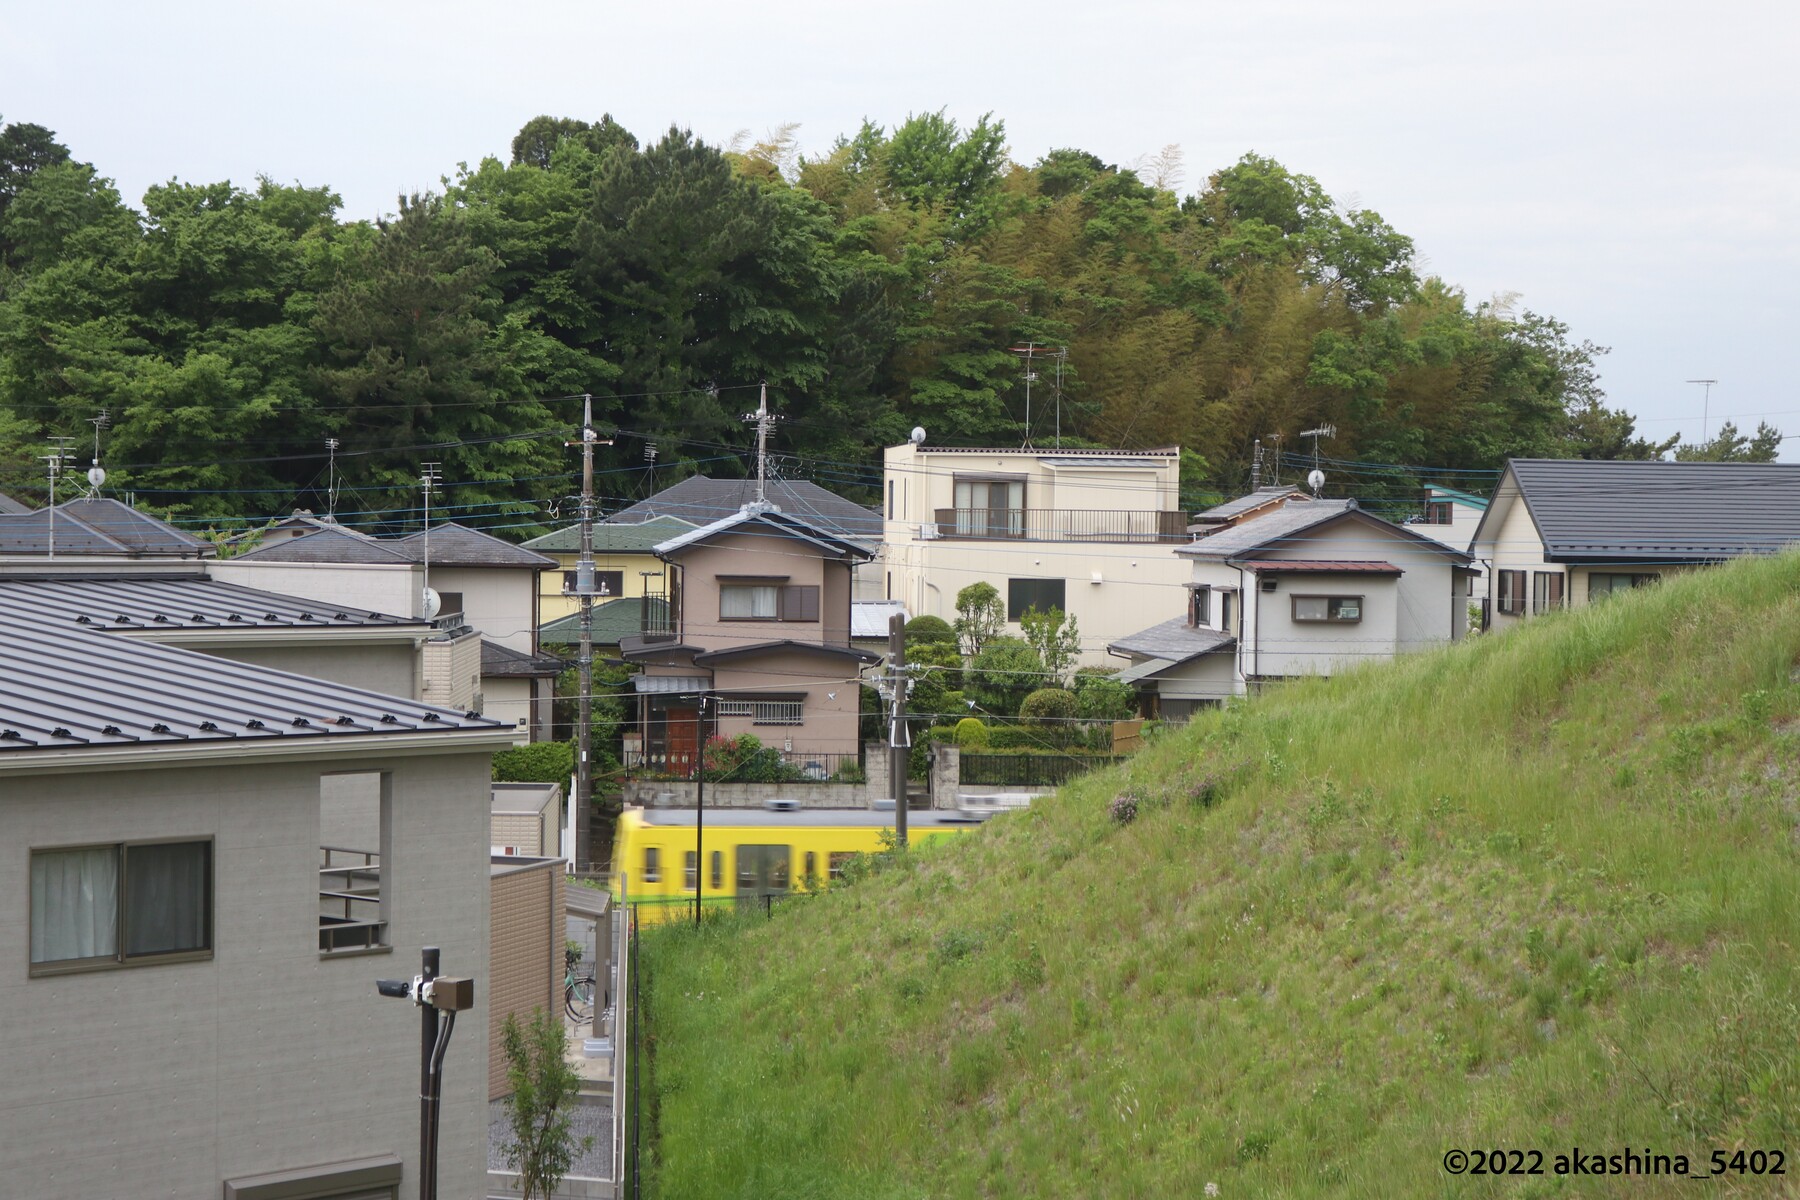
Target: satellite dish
[96, 476]
[1315, 479]
[434, 603]
[918, 435]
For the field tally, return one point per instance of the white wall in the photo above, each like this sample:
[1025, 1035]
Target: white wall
[391, 589]
[499, 601]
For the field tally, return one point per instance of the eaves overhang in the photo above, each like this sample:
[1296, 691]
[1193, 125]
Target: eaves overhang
[345, 747]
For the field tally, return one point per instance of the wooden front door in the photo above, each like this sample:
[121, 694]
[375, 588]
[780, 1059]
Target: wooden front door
[682, 739]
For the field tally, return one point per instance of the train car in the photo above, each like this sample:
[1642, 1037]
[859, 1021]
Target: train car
[750, 853]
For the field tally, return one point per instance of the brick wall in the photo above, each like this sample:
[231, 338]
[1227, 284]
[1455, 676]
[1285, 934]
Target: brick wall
[526, 965]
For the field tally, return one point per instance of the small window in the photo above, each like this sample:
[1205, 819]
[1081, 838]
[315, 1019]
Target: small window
[1511, 586]
[748, 601]
[1546, 591]
[690, 870]
[1041, 594]
[812, 870]
[1268, 583]
[128, 903]
[1228, 612]
[1338, 609]
[1200, 607]
[1601, 585]
[716, 875]
[890, 515]
[1439, 512]
[652, 865]
[779, 712]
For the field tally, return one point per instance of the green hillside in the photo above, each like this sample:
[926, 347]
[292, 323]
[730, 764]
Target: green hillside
[1536, 891]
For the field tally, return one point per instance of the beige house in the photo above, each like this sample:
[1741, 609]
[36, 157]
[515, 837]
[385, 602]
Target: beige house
[1567, 532]
[1086, 531]
[1300, 587]
[757, 623]
[209, 862]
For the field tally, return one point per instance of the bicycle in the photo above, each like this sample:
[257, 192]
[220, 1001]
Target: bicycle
[578, 989]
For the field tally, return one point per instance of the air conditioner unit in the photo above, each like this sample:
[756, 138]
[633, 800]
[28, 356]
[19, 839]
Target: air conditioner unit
[929, 532]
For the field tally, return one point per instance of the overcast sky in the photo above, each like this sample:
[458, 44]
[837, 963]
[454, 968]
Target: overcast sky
[1631, 169]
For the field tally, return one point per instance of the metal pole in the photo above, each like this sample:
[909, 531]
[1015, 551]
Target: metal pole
[897, 739]
[428, 1034]
[584, 584]
[700, 814]
[762, 442]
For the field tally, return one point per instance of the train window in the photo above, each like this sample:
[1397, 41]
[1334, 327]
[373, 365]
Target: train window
[836, 861]
[652, 865]
[778, 868]
[746, 864]
[690, 871]
[718, 870]
[812, 869]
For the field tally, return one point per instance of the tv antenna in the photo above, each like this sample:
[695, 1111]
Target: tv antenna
[765, 421]
[96, 474]
[1705, 405]
[1315, 478]
[1059, 355]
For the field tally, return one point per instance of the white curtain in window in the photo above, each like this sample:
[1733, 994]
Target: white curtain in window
[747, 600]
[165, 897]
[74, 904]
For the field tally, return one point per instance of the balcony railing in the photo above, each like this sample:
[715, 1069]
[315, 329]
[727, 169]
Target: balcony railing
[1062, 525]
[350, 900]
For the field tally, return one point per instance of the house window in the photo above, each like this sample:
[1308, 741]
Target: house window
[690, 870]
[778, 712]
[1200, 607]
[1439, 512]
[768, 602]
[607, 584]
[1041, 594]
[993, 508]
[121, 904]
[1344, 610]
[652, 865]
[1603, 585]
[890, 515]
[1546, 591]
[1511, 585]
[1228, 612]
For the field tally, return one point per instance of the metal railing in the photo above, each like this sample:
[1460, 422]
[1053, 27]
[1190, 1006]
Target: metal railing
[347, 878]
[1062, 524]
[1028, 770]
[797, 766]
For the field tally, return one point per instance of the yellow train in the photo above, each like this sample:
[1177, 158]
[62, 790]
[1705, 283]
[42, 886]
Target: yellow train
[750, 853]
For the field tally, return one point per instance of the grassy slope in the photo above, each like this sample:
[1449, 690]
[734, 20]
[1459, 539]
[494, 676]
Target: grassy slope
[1536, 890]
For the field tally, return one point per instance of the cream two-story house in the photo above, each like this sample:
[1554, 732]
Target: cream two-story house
[1085, 531]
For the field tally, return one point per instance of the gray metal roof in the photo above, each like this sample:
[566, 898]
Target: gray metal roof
[499, 661]
[700, 501]
[1248, 502]
[98, 527]
[770, 521]
[1663, 511]
[1271, 528]
[165, 602]
[11, 506]
[452, 545]
[611, 537]
[71, 688]
[1174, 640]
[869, 618]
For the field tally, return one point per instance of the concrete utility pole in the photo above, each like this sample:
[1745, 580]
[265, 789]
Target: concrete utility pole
[429, 478]
[899, 739]
[764, 421]
[57, 459]
[583, 799]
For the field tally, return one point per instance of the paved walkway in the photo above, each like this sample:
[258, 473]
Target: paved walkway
[592, 1118]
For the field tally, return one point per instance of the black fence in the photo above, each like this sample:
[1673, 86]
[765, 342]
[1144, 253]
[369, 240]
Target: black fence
[1028, 770]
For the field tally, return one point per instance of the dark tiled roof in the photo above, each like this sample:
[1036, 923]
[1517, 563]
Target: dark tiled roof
[498, 660]
[452, 545]
[1291, 526]
[98, 527]
[701, 501]
[69, 688]
[613, 621]
[1668, 511]
[784, 646]
[610, 537]
[1174, 640]
[152, 602]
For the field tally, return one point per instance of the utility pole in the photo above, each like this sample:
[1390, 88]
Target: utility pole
[584, 590]
[1256, 465]
[331, 449]
[700, 811]
[429, 478]
[1705, 405]
[58, 458]
[898, 737]
[764, 420]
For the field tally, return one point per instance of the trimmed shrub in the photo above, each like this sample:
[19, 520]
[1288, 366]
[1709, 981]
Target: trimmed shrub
[971, 734]
[1048, 704]
[540, 762]
[921, 630]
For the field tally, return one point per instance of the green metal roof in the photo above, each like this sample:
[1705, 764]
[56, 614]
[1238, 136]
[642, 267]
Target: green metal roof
[612, 539]
[613, 620]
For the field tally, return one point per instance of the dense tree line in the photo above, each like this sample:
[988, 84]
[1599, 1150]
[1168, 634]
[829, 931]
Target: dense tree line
[229, 331]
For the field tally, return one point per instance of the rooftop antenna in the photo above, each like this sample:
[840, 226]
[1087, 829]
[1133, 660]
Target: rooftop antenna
[1315, 478]
[1256, 465]
[331, 449]
[430, 476]
[58, 458]
[96, 474]
[1705, 405]
[1030, 352]
[765, 420]
[1275, 463]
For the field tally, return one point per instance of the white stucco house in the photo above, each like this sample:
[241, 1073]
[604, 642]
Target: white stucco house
[1302, 587]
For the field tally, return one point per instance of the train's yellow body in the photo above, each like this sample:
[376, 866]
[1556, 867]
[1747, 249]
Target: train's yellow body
[749, 853]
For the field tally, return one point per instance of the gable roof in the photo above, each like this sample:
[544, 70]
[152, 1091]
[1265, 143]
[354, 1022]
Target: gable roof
[613, 620]
[1262, 497]
[452, 545]
[12, 507]
[505, 662]
[700, 500]
[769, 521]
[1450, 493]
[1288, 525]
[1173, 641]
[1655, 511]
[98, 526]
[165, 603]
[611, 537]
